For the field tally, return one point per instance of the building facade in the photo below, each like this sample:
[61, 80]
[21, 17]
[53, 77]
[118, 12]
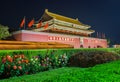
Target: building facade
[58, 28]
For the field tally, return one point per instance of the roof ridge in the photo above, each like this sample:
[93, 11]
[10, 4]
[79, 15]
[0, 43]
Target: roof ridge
[46, 10]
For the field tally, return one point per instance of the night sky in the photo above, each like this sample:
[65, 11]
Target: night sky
[102, 15]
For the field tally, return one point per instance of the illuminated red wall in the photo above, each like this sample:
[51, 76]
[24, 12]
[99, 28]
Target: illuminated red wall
[76, 41]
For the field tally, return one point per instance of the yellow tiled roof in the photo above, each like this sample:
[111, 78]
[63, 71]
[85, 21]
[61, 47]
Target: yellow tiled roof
[63, 18]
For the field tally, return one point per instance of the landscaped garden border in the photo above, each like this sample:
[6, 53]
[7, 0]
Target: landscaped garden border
[109, 72]
[43, 58]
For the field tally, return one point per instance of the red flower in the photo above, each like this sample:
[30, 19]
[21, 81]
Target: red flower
[15, 56]
[26, 61]
[22, 60]
[14, 67]
[3, 59]
[19, 67]
[9, 58]
[19, 62]
[19, 56]
[22, 56]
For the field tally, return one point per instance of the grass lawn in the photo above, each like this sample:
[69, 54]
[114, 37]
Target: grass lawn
[109, 72]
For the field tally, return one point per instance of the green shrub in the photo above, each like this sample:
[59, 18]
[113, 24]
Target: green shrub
[86, 59]
[34, 65]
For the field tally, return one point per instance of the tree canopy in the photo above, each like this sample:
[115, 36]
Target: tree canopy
[4, 32]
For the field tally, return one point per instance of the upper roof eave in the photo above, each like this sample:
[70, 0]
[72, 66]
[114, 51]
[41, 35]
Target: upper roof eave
[63, 18]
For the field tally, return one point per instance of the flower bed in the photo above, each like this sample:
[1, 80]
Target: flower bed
[109, 72]
[21, 62]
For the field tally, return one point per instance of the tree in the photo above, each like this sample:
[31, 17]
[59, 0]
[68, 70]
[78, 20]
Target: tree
[4, 32]
[108, 41]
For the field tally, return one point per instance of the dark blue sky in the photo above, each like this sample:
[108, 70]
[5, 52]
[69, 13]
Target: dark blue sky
[102, 15]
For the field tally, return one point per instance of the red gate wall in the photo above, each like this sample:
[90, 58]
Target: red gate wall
[76, 41]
